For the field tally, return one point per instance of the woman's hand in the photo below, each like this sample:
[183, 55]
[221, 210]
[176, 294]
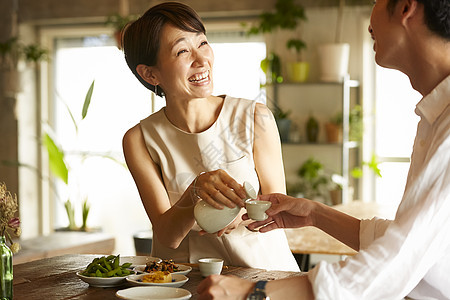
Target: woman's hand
[285, 212]
[229, 228]
[218, 188]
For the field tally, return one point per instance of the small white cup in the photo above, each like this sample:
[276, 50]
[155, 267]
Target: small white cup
[256, 209]
[210, 266]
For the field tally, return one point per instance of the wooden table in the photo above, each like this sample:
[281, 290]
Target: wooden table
[55, 278]
[310, 240]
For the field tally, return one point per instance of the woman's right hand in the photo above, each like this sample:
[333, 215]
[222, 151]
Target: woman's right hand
[218, 188]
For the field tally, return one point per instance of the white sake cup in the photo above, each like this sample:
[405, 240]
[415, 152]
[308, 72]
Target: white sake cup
[256, 209]
[210, 266]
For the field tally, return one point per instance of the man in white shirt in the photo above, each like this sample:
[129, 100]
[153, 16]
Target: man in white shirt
[410, 255]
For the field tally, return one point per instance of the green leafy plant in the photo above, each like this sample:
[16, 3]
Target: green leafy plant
[118, 21]
[279, 113]
[373, 164]
[336, 119]
[59, 166]
[313, 181]
[271, 66]
[287, 15]
[85, 213]
[12, 50]
[298, 45]
[356, 124]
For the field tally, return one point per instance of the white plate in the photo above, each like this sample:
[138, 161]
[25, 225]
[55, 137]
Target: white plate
[153, 292]
[138, 260]
[177, 280]
[102, 282]
[183, 269]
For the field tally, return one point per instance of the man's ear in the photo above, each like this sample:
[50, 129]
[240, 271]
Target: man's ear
[147, 74]
[408, 9]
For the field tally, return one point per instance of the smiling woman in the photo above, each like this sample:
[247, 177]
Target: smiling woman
[199, 146]
[81, 58]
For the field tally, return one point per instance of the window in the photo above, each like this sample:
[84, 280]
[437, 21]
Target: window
[395, 130]
[119, 102]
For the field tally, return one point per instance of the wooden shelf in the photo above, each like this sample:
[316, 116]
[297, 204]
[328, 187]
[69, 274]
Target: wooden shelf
[59, 243]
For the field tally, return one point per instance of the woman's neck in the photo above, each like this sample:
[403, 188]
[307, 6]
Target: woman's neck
[194, 115]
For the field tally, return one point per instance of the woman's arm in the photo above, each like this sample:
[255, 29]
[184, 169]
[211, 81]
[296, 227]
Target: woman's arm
[267, 152]
[170, 223]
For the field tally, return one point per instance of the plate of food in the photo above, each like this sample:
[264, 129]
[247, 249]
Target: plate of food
[164, 265]
[102, 282]
[158, 278]
[105, 271]
[139, 260]
[153, 292]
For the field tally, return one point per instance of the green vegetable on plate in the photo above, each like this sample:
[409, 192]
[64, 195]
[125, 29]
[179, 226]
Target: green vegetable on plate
[107, 266]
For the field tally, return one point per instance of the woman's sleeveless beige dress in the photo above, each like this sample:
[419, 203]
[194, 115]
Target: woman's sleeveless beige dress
[228, 145]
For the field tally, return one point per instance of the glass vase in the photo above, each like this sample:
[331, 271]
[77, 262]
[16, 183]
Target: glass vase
[6, 271]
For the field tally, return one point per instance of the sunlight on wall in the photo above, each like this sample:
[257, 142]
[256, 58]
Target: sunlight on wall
[396, 125]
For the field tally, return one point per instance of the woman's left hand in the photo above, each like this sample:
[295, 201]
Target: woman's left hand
[217, 188]
[230, 227]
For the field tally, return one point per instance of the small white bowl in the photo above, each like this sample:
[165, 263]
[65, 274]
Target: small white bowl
[177, 280]
[210, 266]
[211, 219]
[101, 281]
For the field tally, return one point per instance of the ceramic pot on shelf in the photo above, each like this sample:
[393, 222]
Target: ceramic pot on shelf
[298, 71]
[333, 132]
[312, 130]
[334, 61]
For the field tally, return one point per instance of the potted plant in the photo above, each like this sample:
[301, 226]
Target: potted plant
[287, 15]
[283, 122]
[11, 51]
[60, 168]
[333, 129]
[334, 56]
[312, 129]
[271, 66]
[313, 182]
[298, 70]
[118, 22]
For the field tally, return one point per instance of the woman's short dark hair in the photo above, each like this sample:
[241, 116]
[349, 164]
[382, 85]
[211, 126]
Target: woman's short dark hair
[142, 38]
[437, 15]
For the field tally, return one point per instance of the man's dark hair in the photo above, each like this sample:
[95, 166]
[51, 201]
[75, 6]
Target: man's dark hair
[437, 15]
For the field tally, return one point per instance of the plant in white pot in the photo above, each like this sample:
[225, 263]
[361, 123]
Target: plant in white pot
[334, 57]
